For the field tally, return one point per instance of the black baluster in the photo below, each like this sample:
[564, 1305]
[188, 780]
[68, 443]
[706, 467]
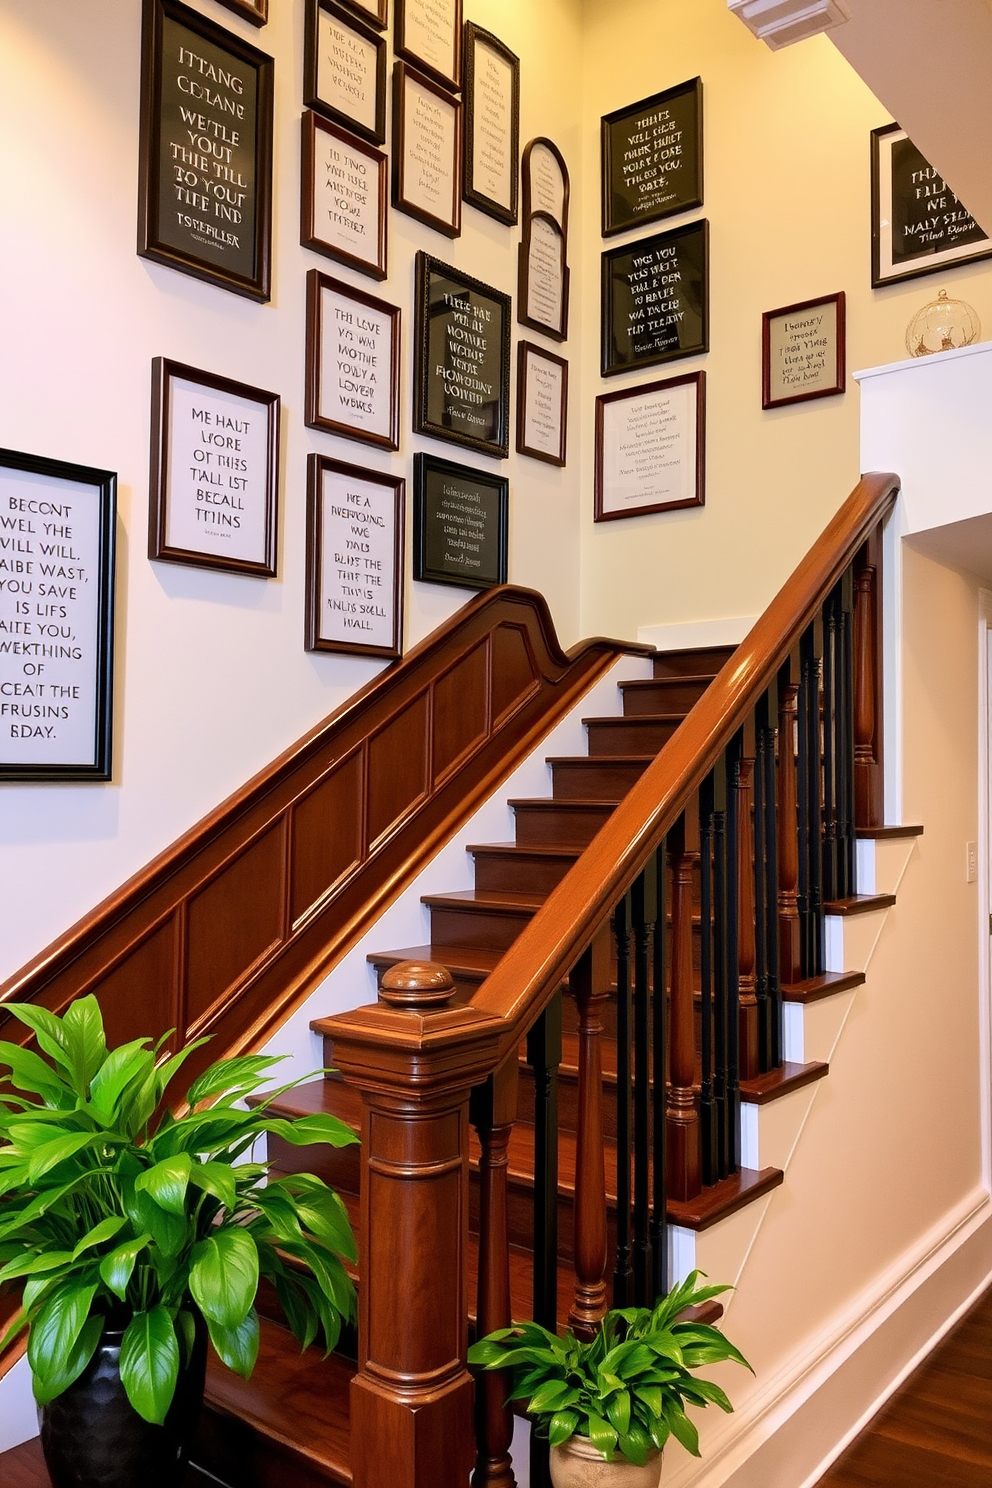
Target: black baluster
[845, 744]
[623, 1275]
[761, 886]
[831, 647]
[708, 1121]
[815, 757]
[720, 969]
[643, 899]
[733, 1094]
[767, 716]
[544, 1048]
[659, 1039]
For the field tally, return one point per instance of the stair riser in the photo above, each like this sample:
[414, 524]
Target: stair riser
[478, 928]
[231, 1451]
[558, 826]
[628, 736]
[582, 780]
[338, 1166]
[660, 697]
[519, 873]
[708, 659]
[520, 1215]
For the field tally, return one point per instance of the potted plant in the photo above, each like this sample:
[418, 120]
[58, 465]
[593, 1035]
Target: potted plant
[608, 1406]
[137, 1232]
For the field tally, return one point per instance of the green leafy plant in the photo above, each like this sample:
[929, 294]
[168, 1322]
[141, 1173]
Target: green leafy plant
[115, 1211]
[626, 1389]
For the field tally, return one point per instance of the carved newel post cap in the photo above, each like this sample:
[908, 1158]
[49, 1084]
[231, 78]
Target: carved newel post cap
[417, 985]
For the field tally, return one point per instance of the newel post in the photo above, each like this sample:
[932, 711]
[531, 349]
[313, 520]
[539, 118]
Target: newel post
[415, 1060]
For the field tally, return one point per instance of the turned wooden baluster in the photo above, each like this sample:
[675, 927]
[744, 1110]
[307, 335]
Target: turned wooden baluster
[683, 1133]
[868, 804]
[589, 981]
[790, 937]
[749, 1066]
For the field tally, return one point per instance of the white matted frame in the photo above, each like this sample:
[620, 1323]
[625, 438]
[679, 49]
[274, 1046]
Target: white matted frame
[354, 559]
[353, 370]
[542, 404]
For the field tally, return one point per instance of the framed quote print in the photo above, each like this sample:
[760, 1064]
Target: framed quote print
[344, 70]
[354, 559]
[546, 183]
[343, 201]
[375, 12]
[542, 290]
[205, 177]
[542, 404]
[353, 369]
[650, 448]
[492, 124]
[56, 619]
[213, 491]
[429, 34]
[918, 225]
[653, 158]
[461, 379]
[427, 151]
[803, 351]
[256, 11]
[656, 299]
[460, 521]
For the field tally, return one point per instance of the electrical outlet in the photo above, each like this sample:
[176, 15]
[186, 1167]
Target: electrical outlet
[972, 862]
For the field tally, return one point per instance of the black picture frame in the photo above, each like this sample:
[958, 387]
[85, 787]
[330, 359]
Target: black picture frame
[445, 70]
[529, 357]
[46, 670]
[540, 190]
[462, 396]
[221, 197]
[319, 133]
[356, 415]
[652, 158]
[373, 126]
[475, 167]
[899, 172]
[460, 524]
[654, 455]
[236, 489]
[407, 84]
[545, 310]
[804, 351]
[356, 598]
[255, 11]
[639, 329]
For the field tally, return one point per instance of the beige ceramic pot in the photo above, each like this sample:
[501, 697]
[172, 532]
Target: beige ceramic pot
[578, 1464]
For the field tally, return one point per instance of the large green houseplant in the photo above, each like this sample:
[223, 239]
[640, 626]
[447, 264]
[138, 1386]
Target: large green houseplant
[609, 1405]
[127, 1222]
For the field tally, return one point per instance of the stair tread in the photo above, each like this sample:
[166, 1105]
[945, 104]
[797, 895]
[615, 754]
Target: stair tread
[530, 850]
[881, 834]
[486, 899]
[858, 904]
[724, 1198]
[641, 684]
[466, 961]
[777, 1082]
[550, 803]
[639, 720]
[826, 985]
[597, 761]
[24, 1467]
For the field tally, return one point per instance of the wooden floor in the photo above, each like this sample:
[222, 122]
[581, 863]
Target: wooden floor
[24, 1467]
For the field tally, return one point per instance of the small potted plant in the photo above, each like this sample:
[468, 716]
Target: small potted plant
[137, 1232]
[608, 1406]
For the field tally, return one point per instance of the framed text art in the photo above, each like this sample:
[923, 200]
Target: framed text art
[542, 288]
[546, 183]
[918, 225]
[650, 448]
[205, 182]
[213, 492]
[427, 151]
[653, 158]
[344, 70]
[460, 518]
[802, 351]
[656, 299]
[429, 34]
[376, 12]
[461, 379]
[542, 404]
[343, 201]
[256, 11]
[56, 619]
[492, 124]
[353, 369]
[354, 559]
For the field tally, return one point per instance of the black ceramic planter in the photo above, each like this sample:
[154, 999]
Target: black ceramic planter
[93, 1437]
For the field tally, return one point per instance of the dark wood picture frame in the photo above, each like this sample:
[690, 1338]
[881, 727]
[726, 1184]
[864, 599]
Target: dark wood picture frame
[621, 137]
[697, 422]
[317, 416]
[559, 330]
[450, 225]
[374, 133]
[426, 361]
[451, 78]
[427, 521]
[312, 126]
[103, 485]
[665, 249]
[377, 16]
[526, 350]
[255, 11]
[953, 217]
[231, 479]
[357, 599]
[533, 203]
[806, 349]
[223, 198]
[476, 36]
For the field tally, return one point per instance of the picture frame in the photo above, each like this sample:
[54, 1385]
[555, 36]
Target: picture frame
[56, 714]
[344, 70]
[355, 554]
[460, 524]
[205, 205]
[543, 277]
[492, 125]
[213, 492]
[803, 351]
[918, 225]
[427, 128]
[651, 448]
[542, 404]
[255, 11]
[337, 218]
[461, 378]
[374, 12]
[655, 299]
[652, 158]
[432, 45]
[546, 182]
[352, 363]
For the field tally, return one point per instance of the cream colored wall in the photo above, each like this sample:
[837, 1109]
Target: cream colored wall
[787, 197]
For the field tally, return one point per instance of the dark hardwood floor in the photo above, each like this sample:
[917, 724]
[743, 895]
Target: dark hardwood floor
[24, 1467]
